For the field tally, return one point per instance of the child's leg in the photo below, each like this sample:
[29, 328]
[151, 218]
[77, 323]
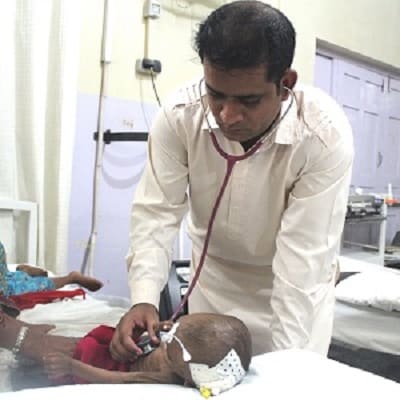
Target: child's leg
[87, 282]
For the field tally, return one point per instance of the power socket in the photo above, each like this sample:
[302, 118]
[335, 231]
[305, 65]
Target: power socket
[146, 65]
[151, 9]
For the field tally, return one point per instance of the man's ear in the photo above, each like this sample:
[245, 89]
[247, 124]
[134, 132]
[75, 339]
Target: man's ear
[288, 80]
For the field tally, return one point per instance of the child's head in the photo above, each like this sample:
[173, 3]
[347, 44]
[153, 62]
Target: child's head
[219, 347]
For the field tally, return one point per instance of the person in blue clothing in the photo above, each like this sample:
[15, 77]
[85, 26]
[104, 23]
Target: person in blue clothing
[28, 279]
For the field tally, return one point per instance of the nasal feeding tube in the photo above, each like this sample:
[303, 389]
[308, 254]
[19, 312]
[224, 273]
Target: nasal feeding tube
[231, 160]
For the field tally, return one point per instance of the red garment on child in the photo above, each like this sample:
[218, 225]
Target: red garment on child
[29, 300]
[93, 349]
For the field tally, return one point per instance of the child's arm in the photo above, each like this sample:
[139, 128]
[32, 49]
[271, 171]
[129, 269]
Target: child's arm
[58, 365]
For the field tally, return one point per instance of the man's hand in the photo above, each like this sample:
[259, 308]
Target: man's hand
[140, 318]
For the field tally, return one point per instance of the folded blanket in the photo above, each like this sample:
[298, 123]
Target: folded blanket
[29, 300]
[379, 289]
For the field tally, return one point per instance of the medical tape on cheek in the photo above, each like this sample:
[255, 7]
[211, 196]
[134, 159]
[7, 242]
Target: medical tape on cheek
[223, 376]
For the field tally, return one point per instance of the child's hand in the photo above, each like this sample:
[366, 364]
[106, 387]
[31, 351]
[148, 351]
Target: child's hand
[57, 365]
[164, 326]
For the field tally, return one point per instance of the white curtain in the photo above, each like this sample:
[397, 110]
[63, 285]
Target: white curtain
[39, 60]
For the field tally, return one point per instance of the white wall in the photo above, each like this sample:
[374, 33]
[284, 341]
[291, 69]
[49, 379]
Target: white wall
[368, 27]
[356, 25]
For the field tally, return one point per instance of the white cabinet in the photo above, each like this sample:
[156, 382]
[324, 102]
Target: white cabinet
[361, 94]
[371, 99]
[389, 141]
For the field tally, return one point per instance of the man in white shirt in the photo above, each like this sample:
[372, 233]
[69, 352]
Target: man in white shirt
[276, 158]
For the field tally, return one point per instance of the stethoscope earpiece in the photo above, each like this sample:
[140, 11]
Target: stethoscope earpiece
[289, 91]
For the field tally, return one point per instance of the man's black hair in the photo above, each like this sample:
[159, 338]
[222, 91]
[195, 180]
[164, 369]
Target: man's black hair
[246, 34]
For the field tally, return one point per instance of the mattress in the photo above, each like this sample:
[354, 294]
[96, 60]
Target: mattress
[348, 264]
[284, 375]
[367, 327]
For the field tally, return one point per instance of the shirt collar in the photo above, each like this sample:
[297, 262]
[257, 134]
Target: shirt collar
[288, 130]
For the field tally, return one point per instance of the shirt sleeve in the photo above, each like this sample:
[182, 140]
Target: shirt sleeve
[308, 240]
[158, 209]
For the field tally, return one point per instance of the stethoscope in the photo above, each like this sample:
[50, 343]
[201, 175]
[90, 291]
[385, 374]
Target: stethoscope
[231, 160]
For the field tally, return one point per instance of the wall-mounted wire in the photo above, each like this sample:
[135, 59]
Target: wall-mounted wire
[154, 86]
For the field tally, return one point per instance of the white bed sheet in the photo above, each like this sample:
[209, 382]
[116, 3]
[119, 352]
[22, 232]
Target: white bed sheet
[364, 326]
[289, 374]
[348, 264]
[367, 327]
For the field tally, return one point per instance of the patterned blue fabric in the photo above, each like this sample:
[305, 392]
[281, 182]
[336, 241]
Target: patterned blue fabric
[18, 282]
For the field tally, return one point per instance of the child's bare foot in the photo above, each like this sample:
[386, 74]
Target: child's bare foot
[87, 282]
[31, 270]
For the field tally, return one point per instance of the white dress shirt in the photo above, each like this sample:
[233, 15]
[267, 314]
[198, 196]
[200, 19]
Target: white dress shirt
[272, 254]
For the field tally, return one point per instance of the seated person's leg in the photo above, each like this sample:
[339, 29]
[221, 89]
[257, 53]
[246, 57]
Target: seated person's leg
[76, 277]
[31, 270]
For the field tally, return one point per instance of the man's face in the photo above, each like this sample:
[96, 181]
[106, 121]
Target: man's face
[243, 103]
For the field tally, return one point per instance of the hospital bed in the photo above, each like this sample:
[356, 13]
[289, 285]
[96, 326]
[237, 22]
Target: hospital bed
[294, 374]
[367, 318]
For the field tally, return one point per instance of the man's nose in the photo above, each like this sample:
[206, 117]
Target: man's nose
[231, 112]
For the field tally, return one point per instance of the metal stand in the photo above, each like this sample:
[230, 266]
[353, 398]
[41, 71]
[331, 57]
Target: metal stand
[381, 219]
[109, 136]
